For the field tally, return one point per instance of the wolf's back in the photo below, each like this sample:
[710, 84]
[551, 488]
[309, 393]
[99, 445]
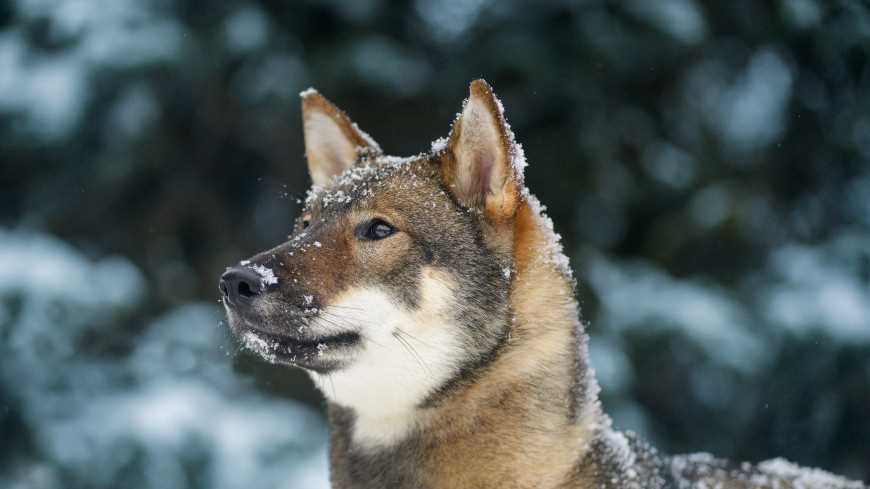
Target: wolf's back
[623, 461]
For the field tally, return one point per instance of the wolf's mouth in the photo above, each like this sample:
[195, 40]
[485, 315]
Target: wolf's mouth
[312, 353]
[317, 343]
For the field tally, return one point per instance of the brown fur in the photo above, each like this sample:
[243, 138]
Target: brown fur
[512, 427]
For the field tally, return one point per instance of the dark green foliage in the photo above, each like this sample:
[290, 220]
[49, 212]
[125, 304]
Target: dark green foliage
[717, 144]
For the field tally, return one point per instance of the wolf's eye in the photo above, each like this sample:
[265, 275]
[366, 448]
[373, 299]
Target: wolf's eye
[374, 230]
[305, 223]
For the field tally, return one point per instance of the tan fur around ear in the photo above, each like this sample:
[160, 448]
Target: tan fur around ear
[333, 143]
[478, 166]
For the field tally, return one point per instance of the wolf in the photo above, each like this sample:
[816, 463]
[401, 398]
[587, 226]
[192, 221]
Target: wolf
[430, 301]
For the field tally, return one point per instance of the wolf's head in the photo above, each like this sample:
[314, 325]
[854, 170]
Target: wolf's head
[396, 281]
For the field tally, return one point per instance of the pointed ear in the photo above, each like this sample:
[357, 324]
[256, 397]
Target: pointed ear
[333, 143]
[478, 165]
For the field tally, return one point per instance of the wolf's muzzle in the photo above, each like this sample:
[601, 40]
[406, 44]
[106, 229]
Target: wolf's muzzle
[239, 286]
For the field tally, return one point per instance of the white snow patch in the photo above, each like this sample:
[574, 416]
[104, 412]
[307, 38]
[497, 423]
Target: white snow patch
[267, 277]
[370, 141]
[260, 346]
[438, 145]
[805, 477]
[357, 181]
[518, 155]
[553, 249]
[619, 443]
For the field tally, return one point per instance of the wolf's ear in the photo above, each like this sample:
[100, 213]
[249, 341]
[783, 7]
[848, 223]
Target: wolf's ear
[333, 143]
[477, 165]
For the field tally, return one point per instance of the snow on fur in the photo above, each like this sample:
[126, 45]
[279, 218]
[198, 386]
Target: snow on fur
[372, 144]
[308, 92]
[260, 346]
[803, 477]
[554, 249]
[267, 277]
[633, 464]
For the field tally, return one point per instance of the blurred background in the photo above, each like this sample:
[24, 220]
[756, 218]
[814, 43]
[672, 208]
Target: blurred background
[707, 164]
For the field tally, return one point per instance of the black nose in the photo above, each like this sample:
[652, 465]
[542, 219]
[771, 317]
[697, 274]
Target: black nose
[239, 285]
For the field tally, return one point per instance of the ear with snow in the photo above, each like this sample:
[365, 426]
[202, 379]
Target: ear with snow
[333, 143]
[478, 164]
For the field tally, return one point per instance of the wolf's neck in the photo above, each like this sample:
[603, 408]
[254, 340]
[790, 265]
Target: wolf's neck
[527, 418]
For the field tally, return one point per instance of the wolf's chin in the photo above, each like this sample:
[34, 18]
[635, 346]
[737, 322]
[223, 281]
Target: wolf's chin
[320, 353]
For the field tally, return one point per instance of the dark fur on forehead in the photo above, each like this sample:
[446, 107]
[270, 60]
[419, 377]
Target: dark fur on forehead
[371, 173]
